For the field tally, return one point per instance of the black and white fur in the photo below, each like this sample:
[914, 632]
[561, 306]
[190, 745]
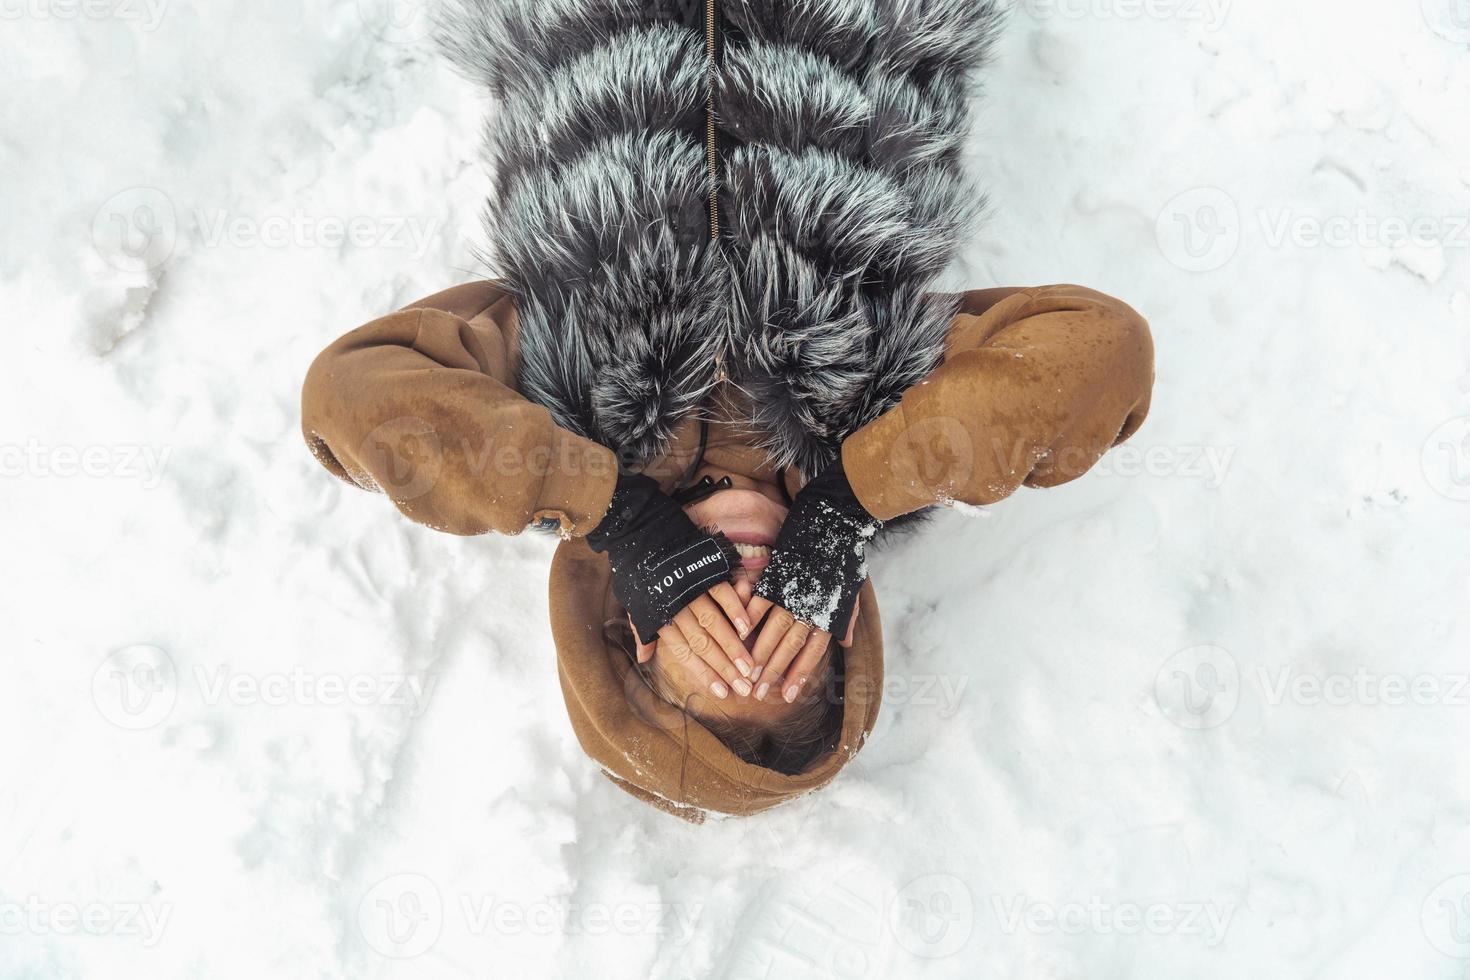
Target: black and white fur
[841, 197]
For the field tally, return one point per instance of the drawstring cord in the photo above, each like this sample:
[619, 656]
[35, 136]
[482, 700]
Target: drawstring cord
[686, 493]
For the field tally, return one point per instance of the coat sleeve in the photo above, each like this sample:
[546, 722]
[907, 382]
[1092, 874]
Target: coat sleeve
[422, 405]
[1035, 386]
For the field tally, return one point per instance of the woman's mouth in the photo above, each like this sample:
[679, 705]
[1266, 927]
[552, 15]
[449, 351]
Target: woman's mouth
[753, 556]
[750, 520]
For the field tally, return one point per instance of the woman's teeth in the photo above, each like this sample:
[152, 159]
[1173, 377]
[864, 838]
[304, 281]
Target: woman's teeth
[752, 550]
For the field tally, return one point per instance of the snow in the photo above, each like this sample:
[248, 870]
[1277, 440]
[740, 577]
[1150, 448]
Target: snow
[1202, 713]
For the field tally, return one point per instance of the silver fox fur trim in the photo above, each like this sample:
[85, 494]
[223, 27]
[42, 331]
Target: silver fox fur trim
[841, 197]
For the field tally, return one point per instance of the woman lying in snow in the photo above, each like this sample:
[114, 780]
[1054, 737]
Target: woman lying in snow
[714, 364]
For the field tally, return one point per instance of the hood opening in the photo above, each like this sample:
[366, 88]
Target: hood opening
[663, 752]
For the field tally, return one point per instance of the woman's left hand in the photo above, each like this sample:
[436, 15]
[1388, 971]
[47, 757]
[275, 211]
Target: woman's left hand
[788, 651]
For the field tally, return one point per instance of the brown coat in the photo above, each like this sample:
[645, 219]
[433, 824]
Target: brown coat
[423, 405]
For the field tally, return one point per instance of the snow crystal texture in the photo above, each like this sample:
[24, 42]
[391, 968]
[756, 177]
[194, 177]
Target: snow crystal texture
[1200, 714]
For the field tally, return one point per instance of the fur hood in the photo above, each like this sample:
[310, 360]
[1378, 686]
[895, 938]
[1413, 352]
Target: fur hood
[758, 191]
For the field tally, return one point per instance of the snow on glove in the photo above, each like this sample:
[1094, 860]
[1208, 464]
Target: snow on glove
[660, 560]
[818, 564]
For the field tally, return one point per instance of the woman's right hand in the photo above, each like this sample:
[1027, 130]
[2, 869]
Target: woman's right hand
[707, 638]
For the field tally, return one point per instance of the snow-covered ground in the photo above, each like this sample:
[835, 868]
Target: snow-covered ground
[1202, 714]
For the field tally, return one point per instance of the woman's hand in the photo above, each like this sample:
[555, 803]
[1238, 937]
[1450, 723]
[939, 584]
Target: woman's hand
[819, 561]
[661, 562]
[788, 651]
[707, 637]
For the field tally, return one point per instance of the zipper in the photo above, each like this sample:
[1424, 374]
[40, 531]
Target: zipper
[711, 48]
[712, 57]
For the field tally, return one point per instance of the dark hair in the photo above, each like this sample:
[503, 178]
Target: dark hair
[789, 745]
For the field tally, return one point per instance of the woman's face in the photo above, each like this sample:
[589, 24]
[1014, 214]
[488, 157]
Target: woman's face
[750, 514]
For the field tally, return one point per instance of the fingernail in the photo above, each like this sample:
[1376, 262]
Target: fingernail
[791, 692]
[742, 627]
[720, 690]
[743, 667]
[743, 688]
[755, 675]
[760, 692]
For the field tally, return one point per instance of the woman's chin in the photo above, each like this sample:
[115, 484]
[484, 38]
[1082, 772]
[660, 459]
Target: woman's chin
[750, 520]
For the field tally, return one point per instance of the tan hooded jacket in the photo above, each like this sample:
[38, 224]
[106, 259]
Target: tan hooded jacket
[423, 405]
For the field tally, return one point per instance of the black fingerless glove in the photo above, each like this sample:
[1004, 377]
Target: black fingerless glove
[660, 560]
[818, 564]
